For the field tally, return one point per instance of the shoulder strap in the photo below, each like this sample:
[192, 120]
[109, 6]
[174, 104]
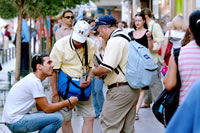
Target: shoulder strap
[122, 35]
[176, 55]
[86, 53]
[130, 34]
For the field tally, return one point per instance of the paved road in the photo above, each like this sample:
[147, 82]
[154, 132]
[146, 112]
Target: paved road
[146, 124]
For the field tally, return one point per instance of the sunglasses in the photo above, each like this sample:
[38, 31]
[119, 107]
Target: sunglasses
[68, 17]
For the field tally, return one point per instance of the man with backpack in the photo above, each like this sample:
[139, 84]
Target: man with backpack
[118, 114]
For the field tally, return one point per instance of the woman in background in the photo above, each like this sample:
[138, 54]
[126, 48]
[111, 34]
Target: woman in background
[142, 36]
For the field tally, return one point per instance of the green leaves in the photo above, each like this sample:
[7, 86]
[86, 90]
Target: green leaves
[35, 8]
[7, 10]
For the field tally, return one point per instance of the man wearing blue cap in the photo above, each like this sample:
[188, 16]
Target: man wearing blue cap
[118, 113]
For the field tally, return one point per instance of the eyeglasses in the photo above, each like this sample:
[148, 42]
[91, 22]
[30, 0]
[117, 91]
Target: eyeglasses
[68, 17]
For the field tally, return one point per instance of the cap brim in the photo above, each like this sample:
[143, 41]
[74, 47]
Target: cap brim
[79, 38]
[97, 25]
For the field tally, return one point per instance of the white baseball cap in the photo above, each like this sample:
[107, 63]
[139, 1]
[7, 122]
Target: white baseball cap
[81, 31]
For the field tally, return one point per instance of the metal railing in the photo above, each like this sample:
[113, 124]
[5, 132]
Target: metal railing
[7, 54]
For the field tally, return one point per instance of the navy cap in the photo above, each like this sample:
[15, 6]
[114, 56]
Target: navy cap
[105, 20]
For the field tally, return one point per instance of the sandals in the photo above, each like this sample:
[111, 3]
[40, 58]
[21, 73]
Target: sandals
[136, 116]
[145, 106]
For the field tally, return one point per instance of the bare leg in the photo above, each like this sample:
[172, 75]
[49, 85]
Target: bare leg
[88, 125]
[140, 100]
[67, 127]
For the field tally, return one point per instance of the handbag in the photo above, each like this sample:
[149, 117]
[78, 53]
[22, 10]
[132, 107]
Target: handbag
[168, 50]
[167, 102]
[69, 86]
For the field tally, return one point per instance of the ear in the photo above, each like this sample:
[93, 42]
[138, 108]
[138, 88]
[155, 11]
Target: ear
[38, 67]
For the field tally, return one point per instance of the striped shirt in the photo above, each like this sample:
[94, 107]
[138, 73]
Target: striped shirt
[189, 67]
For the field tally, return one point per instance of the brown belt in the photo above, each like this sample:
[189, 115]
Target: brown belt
[117, 84]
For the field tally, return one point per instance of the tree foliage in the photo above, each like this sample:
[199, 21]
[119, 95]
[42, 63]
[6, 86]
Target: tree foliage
[33, 8]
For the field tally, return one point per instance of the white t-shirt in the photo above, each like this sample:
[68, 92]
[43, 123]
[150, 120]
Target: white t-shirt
[176, 37]
[21, 98]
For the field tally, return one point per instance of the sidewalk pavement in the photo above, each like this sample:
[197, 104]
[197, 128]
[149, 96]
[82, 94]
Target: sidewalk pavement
[146, 124]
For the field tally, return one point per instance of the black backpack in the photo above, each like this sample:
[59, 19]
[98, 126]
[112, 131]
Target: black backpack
[166, 104]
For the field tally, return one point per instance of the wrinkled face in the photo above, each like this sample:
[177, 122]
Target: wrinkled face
[139, 22]
[68, 18]
[103, 29]
[47, 66]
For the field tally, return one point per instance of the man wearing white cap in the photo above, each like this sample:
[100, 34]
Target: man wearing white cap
[72, 57]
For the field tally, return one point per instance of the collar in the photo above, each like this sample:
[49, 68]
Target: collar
[71, 43]
[113, 32]
[66, 28]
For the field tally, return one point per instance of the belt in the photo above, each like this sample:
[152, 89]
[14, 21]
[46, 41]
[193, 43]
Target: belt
[117, 84]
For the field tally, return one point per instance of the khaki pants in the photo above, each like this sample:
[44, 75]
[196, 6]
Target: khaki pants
[118, 113]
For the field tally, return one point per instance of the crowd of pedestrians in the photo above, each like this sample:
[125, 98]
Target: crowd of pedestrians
[88, 55]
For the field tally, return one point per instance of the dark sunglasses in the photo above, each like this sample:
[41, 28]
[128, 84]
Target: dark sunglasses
[68, 17]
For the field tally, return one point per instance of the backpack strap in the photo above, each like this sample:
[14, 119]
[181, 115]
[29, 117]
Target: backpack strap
[128, 39]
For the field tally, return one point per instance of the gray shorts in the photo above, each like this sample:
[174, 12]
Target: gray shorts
[83, 108]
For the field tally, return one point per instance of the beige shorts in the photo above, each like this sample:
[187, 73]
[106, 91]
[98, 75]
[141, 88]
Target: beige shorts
[83, 108]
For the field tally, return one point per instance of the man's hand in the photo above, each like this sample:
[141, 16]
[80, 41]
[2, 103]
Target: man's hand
[85, 84]
[72, 101]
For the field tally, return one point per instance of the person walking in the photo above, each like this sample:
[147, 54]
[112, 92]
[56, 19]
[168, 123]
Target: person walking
[157, 37]
[69, 59]
[67, 25]
[25, 47]
[118, 114]
[141, 35]
[188, 61]
[29, 92]
[174, 35]
[97, 83]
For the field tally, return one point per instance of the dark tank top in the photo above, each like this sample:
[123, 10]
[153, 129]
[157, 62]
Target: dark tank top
[143, 40]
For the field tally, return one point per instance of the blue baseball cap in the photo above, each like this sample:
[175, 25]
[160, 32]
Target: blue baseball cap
[105, 20]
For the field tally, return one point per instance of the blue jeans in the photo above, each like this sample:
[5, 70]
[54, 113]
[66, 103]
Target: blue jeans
[97, 93]
[39, 121]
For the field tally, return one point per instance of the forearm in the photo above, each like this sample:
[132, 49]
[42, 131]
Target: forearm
[100, 71]
[164, 47]
[150, 44]
[53, 82]
[50, 108]
[90, 74]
